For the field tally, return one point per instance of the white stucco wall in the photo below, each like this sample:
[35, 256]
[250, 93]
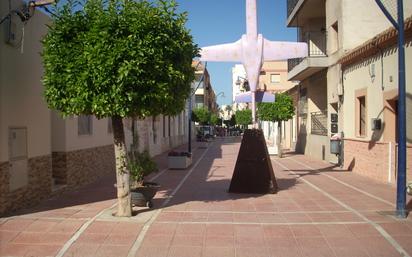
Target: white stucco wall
[99, 137]
[21, 91]
[358, 76]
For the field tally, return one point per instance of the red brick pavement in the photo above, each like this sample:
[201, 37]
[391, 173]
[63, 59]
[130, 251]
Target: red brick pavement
[319, 211]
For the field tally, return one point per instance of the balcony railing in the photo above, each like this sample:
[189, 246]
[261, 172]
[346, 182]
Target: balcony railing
[291, 6]
[316, 47]
[319, 123]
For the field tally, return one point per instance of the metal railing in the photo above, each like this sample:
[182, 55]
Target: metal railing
[291, 6]
[319, 123]
[316, 47]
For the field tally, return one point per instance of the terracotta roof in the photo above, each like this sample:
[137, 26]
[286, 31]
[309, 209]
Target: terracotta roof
[371, 47]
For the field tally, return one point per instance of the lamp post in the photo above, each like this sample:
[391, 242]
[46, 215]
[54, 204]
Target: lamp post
[398, 24]
[245, 83]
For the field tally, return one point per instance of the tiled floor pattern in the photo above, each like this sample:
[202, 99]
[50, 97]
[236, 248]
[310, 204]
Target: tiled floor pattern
[202, 219]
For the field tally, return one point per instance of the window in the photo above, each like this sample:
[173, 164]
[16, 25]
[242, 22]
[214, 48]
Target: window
[168, 117]
[84, 125]
[179, 122]
[274, 78]
[154, 130]
[109, 126]
[334, 37]
[362, 116]
[199, 99]
[164, 126]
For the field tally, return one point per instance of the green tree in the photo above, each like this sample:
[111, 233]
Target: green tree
[232, 121]
[118, 59]
[214, 119]
[201, 115]
[244, 117]
[280, 110]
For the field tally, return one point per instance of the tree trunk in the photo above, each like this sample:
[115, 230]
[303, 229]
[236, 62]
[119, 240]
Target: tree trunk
[280, 153]
[124, 204]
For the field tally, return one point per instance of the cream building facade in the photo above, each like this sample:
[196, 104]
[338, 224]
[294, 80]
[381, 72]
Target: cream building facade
[326, 105]
[369, 107]
[43, 154]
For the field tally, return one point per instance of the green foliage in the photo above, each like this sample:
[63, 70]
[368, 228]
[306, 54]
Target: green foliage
[280, 110]
[201, 115]
[244, 117]
[118, 58]
[232, 121]
[140, 165]
[214, 119]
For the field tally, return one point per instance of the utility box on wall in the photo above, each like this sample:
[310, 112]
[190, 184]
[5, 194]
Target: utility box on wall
[18, 158]
[334, 128]
[334, 117]
[376, 124]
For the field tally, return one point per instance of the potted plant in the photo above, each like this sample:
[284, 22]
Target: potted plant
[179, 160]
[141, 165]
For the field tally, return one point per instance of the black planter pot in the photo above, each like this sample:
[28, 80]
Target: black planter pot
[142, 196]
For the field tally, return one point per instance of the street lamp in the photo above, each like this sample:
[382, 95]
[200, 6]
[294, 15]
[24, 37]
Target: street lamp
[245, 83]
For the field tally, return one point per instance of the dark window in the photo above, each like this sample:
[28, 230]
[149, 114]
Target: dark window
[362, 116]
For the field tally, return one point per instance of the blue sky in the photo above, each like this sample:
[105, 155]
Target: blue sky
[222, 21]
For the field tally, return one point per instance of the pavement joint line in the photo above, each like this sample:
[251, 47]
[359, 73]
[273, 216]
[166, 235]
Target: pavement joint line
[159, 174]
[139, 240]
[248, 212]
[385, 234]
[345, 184]
[47, 218]
[80, 231]
[264, 223]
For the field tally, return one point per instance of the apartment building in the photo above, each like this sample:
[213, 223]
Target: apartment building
[42, 154]
[204, 93]
[332, 29]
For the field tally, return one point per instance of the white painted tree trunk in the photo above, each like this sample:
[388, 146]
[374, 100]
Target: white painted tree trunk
[124, 204]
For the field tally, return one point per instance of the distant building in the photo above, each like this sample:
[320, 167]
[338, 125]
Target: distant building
[274, 78]
[239, 85]
[204, 94]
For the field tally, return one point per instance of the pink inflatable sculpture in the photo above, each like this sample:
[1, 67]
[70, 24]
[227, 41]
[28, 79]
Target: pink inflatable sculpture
[251, 50]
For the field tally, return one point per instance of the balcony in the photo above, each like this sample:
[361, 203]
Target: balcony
[301, 68]
[301, 11]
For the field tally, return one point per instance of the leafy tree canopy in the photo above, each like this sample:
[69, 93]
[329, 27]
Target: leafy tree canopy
[201, 115]
[244, 117]
[214, 119]
[280, 110]
[118, 58]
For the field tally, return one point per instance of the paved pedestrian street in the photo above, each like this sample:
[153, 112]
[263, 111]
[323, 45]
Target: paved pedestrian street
[318, 211]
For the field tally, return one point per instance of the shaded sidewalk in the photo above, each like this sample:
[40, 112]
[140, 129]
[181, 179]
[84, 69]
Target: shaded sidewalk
[317, 212]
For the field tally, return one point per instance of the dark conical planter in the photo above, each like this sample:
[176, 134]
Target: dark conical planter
[253, 172]
[142, 196]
